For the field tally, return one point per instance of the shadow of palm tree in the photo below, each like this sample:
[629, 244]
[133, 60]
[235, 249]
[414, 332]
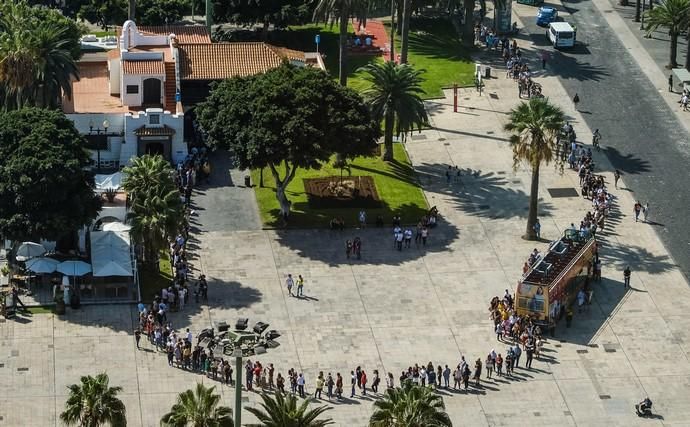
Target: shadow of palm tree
[486, 195]
[627, 163]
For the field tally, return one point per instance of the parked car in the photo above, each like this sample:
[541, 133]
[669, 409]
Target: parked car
[546, 15]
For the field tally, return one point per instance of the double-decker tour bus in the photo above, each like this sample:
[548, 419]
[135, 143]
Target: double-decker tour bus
[553, 281]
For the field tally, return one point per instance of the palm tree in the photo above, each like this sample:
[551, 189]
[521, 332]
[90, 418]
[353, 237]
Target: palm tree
[671, 14]
[156, 212]
[535, 126]
[410, 406]
[94, 403]
[198, 408]
[468, 25]
[36, 63]
[341, 11]
[405, 36]
[282, 411]
[395, 98]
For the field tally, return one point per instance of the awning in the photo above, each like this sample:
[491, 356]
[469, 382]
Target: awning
[110, 254]
[157, 131]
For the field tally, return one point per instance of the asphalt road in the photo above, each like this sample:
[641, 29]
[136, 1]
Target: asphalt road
[640, 134]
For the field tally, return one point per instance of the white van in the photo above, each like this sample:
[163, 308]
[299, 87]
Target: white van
[561, 34]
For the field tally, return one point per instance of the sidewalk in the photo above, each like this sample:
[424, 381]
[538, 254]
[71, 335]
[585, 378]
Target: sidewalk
[630, 336]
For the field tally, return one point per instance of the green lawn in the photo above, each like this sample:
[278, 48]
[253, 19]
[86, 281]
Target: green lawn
[302, 38]
[396, 185]
[436, 47]
[152, 279]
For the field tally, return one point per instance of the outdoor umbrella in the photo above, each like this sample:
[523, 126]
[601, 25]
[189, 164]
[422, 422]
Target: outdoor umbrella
[74, 268]
[116, 226]
[42, 265]
[29, 250]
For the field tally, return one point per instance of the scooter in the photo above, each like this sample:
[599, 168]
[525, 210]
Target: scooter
[644, 408]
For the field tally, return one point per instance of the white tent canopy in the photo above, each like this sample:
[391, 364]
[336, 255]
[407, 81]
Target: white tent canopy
[104, 182]
[110, 254]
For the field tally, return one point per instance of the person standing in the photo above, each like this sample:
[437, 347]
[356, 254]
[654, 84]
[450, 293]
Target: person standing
[363, 379]
[290, 282]
[270, 370]
[517, 352]
[329, 386]
[616, 177]
[137, 336]
[339, 386]
[376, 382]
[319, 386]
[300, 385]
[489, 365]
[348, 248]
[408, 238]
[390, 381]
[537, 229]
[425, 234]
[670, 82]
[530, 353]
[576, 100]
[300, 285]
[353, 382]
[357, 247]
[362, 219]
[645, 211]
[626, 277]
[446, 377]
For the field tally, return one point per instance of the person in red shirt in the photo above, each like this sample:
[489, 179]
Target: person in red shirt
[364, 383]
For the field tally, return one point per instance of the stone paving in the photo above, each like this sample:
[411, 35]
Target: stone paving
[393, 309]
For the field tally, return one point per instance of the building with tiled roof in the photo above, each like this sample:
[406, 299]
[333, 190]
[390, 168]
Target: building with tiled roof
[132, 100]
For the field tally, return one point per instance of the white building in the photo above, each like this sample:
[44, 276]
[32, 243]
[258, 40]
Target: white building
[129, 99]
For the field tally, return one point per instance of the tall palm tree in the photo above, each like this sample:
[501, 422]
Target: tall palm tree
[338, 10]
[468, 25]
[395, 98]
[410, 406]
[282, 411]
[671, 14]
[156, 212]
[36, 63]
[198, 408]
[405, 36]
[535, 126]
[93, 403]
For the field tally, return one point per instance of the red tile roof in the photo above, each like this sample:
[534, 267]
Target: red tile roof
[223, 60]
[149, 67]
[185, 33]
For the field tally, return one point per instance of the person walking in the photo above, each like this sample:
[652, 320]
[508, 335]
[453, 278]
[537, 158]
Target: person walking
[290, 282]
[576, 100]
[670, 82]
[339, 386]
[353, 382]
[300, 286]
[362, 219]
[375, 383]
[530, 354]
[616, 177]
[537, 229]
[489, 365]
[637, 209]
[363, 380]
[457, 377]
[645, 211]
[137, 336]
[626, 277]
[477, 372]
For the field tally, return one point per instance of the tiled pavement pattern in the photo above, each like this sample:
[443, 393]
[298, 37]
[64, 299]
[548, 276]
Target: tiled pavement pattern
[394, 308]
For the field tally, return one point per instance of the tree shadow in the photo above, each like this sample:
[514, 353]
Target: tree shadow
[486, 195]
[569, 68]
[627, 163]
[377, 244]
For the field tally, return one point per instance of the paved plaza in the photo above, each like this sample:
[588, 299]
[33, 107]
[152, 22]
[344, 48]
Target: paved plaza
[393, 309]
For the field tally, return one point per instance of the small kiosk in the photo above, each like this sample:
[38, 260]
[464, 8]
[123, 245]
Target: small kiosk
[681, 79]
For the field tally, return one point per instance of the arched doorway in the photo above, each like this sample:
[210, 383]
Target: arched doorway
[152, 92]
[155, 148]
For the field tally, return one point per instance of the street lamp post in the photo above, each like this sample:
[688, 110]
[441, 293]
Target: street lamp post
[106, 125]
[237, 354]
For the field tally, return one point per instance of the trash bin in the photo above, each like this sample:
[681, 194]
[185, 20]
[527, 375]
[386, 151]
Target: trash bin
[487, 72]
[247, 181]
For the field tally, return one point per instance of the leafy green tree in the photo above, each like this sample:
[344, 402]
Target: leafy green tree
[285, 119]
[104, 12]
[156, 212]
[468, 25]
[161, 12]
[279, 13]
[394, 97]
[410, 406]
[198, 408]
[94, 403]
[46, 190]
[38, 53]
[674, 15]
[535, 126]
[282, 411]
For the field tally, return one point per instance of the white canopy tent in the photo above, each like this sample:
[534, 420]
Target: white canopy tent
[110, 254]
[104, 182]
